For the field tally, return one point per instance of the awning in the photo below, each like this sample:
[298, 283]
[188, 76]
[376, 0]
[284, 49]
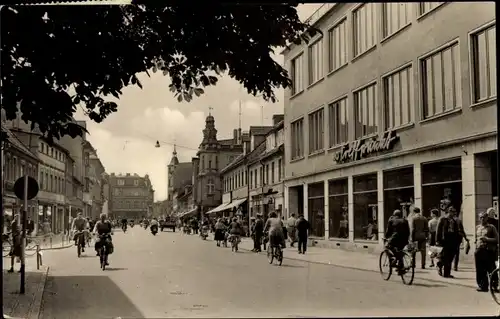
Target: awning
[219, 208]
[235, 203]
[189, 212]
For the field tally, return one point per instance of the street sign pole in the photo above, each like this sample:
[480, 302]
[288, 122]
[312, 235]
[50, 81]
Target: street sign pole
[24, 214]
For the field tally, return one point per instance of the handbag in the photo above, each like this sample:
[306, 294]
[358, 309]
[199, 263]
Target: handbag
[467, 247]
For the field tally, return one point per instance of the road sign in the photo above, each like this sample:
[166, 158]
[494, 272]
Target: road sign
[32, 188]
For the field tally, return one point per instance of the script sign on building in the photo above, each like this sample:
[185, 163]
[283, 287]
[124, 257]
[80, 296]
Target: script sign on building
[364, 147]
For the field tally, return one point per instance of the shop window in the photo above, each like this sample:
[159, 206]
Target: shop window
[316, 206]
[441, 180]
[365, 207]
[338, 224]
[398, 191]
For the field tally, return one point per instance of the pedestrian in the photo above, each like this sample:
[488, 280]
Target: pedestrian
[30, 226]
[419, 234]
[15, 249]
[447, 236]
[485, 254]
[433, 222]
[258, 233]
[285, 231]
[461, 237]
[303, 227]
[291, 229]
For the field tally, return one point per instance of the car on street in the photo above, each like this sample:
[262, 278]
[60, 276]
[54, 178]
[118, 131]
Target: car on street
[168, 223]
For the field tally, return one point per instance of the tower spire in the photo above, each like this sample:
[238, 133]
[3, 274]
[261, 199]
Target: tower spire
[175, 150]
[239, 116]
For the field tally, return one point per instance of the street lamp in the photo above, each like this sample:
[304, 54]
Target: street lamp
[157, 145]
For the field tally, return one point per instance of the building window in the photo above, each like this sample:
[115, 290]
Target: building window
[136, 182]
[262, 176]
[203, 162]
[272, 173]
[251, 180]
[210, 186]
[51, 183]
[42, 181]
[424, 7]
[441, 81]
[298, 74]
[364, 28]
[441, 180]
[337, 46]
[120, 182]
[315, 61]
[14, 167]
[365, 110]
[316, 136]
[297, 139]
[395, 16]
[365, 206]
[398, 98]
[338, 130]
[209, 162]
[255, 184]
[484, 64]
[398, 191]
[279, 170]
[216, 162]
[316, 206]
[338, 224]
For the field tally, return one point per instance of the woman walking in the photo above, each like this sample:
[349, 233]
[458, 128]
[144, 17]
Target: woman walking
[219, 231]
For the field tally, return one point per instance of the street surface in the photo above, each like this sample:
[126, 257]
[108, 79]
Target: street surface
[176, 275]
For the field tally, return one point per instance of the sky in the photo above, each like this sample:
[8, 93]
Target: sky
[125, 141]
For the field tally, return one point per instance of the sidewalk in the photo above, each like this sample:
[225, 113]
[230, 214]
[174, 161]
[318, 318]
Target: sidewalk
[28, 305]
[50, 242]
[369, 262]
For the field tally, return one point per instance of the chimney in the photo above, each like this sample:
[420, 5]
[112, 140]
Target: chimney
[278, 118]
[235, 136]
[128, 174]
[245, 145]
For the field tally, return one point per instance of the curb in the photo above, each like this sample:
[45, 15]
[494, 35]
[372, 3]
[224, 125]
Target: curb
[366, 270]
[36, 306]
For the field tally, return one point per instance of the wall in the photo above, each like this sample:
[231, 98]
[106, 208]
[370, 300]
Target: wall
[460, 19]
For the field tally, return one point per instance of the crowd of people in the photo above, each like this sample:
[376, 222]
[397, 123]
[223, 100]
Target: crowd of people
[445, 235]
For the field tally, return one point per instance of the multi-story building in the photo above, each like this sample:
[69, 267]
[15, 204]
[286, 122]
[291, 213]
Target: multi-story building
[184, 202]
[17, 161]
[377, 121]
[97, 191]
[266, 172]
[160, 208]
[131, 195]
[51, 177]
[180, 175]
[242, 195]
[212, 156]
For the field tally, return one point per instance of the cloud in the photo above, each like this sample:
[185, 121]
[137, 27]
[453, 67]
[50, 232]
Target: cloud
[136, 151]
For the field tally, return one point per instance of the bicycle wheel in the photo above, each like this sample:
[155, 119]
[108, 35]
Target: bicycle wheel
[385, 262]
[270, 255]
[493, 290]
[279, 256]
[408, 272]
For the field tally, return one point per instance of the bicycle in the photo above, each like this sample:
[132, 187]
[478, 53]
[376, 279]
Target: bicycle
[275, 252]
[406, 267]
[103, 253]
[493, 289]
[234, 242]
[80, 243]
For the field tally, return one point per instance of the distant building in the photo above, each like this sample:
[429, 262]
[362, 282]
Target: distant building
[212, 156]
[180, 175]
[131, 195]
[98, 188]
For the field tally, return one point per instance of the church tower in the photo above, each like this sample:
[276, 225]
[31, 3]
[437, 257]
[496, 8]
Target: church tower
[174, 162]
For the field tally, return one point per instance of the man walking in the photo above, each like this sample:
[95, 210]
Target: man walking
[419, 233]
[461, 237]
[447, 236]
[303, 228]
[258, 233]
[291, 229]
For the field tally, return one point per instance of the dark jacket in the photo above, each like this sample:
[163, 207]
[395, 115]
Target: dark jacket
[398, 232]
[447, 231]
[419, 228]
[259, 227]
[302, 227]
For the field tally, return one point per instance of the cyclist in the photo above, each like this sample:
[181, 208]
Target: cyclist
[124, 223]
[274, 226]
[103, 228]
[235, 230]
[397, 236]
[79, 225]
